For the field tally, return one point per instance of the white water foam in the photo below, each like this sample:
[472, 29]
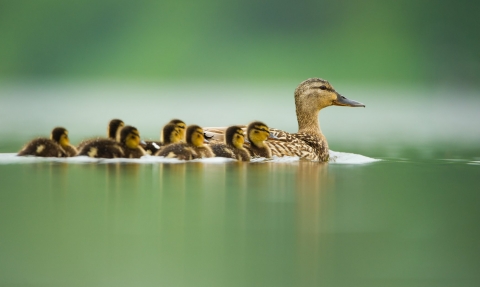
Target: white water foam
[335, 158]
[350, 158]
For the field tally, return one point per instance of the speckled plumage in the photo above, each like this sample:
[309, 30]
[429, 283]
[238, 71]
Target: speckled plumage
[311, 96]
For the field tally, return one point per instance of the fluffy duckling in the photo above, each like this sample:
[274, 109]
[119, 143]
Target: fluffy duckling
[309, 143]
[151, 147]
[192, 149]
[58, 145]
[128, 146]
[102, 148]
[233, 145]
[257, 134]
[113, 132]
[130, 141]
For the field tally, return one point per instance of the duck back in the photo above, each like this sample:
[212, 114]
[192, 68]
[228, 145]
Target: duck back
[43, 147]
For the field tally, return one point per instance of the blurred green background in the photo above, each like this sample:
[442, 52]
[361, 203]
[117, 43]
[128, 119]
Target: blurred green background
[373, 41]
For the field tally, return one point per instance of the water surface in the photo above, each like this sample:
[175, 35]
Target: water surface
[389, 223]
[408, 220]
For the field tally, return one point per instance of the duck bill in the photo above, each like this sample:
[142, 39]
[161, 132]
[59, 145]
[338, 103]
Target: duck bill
[342, 101]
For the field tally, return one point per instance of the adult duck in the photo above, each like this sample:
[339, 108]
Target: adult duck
[309, 143]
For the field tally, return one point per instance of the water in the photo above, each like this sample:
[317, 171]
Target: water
[410, 219]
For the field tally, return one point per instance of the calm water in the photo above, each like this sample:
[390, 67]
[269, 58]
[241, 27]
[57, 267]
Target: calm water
[409, 220]
[390, 223]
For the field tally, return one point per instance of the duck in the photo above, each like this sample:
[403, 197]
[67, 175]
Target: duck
[113, 132]
[151, 147]
[311, 96]
[233, 145]
[130, 141]
[128, 146]
[58, 145]
[257, 134]
[193, 148]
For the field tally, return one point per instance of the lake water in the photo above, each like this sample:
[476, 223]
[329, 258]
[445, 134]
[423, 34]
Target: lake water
[410, 219]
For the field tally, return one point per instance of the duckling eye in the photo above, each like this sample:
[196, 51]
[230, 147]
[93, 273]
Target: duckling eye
[323, 87]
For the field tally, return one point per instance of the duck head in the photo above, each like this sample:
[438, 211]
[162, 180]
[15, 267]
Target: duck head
[60, 135]
[257, 133]
[195, 135]
[180, 126]
[316, 94]
[235, 136]
[130, 137]
[171, 133]
[114, 127]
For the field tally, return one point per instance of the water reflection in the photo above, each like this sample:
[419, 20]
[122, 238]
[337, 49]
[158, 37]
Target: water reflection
[237, 224]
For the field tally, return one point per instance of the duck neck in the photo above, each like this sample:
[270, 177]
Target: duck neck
[308, 121]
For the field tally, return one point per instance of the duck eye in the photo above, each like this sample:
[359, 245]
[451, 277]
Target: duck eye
[323, 87]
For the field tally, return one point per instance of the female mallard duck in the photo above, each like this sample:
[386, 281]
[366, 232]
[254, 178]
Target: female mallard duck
[233, 145]
[258, 133]
[127, 146]
[311, 96]
[167, 136]
[192, 149]
[113, 132]
[58, 145]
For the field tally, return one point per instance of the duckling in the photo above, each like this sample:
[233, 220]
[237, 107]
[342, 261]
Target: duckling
[102, 148]
[58, 145]
[257, 134]
[233, 145]
[151, 147]
[311, 96]
[192, 149]
[130, 141]
[113, 132]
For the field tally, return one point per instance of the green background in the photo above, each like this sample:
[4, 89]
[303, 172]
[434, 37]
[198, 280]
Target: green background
[374, 41]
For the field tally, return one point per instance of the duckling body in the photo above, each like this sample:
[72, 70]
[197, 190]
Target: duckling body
[192, 149]
[58, 145]
[167, 137]
[102, 148]
[309, 143]
[113, 131]
[42, 147]
[233, 145]
[127, 147]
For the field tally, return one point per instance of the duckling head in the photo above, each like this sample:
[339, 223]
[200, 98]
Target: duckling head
[195, 135]
[130, 137]
[257, 133]
[181, 126]
[114, 127]
[316, 94]
[60, 135]
[172, 134]
[235, 136]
